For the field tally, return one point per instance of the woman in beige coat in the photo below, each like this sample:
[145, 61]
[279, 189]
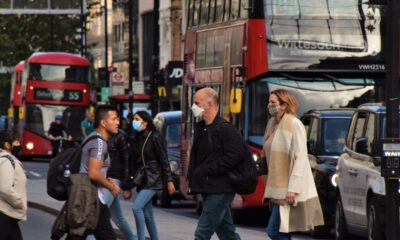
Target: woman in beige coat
[13, 204]
[290, 186]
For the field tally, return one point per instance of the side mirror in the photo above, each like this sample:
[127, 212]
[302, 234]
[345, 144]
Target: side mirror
[361, 145]
[310, 145]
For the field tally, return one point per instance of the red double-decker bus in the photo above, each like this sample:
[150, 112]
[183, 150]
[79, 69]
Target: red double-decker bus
[328, 53]
[52, 84]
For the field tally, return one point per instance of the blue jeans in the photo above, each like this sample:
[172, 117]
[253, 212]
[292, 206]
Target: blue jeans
[216, 218]
[143, 211]
[116, 214]
[274, 223]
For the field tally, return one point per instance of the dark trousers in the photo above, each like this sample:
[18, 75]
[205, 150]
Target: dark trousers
[104, 229]
[9, 228]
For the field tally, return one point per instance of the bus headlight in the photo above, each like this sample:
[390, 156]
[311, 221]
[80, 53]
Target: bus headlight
[334, 179]
[29, 146]
[256, 158]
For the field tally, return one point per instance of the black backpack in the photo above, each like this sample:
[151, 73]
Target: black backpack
[57, 183]
[244, 177]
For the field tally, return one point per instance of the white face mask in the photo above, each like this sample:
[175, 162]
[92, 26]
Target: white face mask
[197, 111]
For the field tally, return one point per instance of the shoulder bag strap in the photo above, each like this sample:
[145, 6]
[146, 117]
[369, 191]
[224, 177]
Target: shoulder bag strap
[10, 159]
[144, 144]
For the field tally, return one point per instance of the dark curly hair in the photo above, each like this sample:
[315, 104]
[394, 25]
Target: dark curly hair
[7, 136]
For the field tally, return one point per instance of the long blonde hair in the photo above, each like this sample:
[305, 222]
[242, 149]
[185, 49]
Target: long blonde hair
[284, 96]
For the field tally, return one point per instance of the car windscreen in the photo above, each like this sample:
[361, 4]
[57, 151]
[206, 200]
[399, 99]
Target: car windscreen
[333, 135]
[173, 134]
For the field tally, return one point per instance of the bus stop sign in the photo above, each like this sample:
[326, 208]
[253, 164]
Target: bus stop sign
[390, 164]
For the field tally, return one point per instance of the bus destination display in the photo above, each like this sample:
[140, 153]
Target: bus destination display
[63, 95]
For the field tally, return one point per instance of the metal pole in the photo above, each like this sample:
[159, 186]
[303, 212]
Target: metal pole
[155, 57]
[130, 50]
[82, 29]
[392, 116]
[106, 41]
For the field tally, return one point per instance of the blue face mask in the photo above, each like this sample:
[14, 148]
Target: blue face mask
[136, 125]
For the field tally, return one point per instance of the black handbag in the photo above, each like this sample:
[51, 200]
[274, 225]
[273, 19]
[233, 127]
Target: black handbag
[137, 178]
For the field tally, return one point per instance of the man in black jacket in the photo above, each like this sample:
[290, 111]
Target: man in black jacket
[118, 149]
[217, 148]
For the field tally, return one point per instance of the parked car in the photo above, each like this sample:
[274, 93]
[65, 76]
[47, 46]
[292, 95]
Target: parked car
[360, 203]
[3, 122]
[169, 125]
[326, 133]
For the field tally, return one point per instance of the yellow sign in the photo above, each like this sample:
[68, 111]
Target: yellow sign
[10, 112]
[21, 114]
[162, 92]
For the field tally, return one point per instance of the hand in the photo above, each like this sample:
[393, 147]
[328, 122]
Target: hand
[171, 187]
[20, 206]
[127, 194]
[290, 198]
[115, 190]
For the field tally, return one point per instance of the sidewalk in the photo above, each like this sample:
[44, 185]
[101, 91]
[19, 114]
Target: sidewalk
[180, 227]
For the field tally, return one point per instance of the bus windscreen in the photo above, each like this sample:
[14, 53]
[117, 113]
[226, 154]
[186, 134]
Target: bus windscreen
[58, 73]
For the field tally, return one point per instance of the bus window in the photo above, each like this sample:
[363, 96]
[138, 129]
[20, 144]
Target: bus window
[219, 10]
[196, 12]
[211, 18]
[58, 73]
[201, 50]
[312, 8]
[234, 10]
[190, 13]
[204, 11]
[210, 49]
[219, 47]
[244, 4]
[236, 45]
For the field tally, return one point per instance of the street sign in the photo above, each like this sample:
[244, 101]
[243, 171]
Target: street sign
[105, 93]
[117, 77]
[390, 163]
[138, 87]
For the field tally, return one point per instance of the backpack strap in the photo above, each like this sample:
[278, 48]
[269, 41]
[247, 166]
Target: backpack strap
[9, 158]
[90, 139]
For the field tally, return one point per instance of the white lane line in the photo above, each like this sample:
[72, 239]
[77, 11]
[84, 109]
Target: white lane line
[34, 174]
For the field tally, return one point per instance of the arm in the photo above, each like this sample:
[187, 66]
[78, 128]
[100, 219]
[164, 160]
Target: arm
[233, 151]
[301, 159]
[94, 174]
[160, 149]
[123, 149]
[7, 191]
[83, 129]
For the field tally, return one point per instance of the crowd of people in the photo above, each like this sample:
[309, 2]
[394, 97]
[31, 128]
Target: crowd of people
[112, 160]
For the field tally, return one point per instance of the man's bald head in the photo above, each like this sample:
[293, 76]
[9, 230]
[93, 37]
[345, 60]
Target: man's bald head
[207, 99]
[208, 94]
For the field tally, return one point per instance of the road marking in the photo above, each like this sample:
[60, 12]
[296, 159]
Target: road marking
[34, 174]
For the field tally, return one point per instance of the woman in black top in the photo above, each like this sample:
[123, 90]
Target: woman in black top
[151, 154]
